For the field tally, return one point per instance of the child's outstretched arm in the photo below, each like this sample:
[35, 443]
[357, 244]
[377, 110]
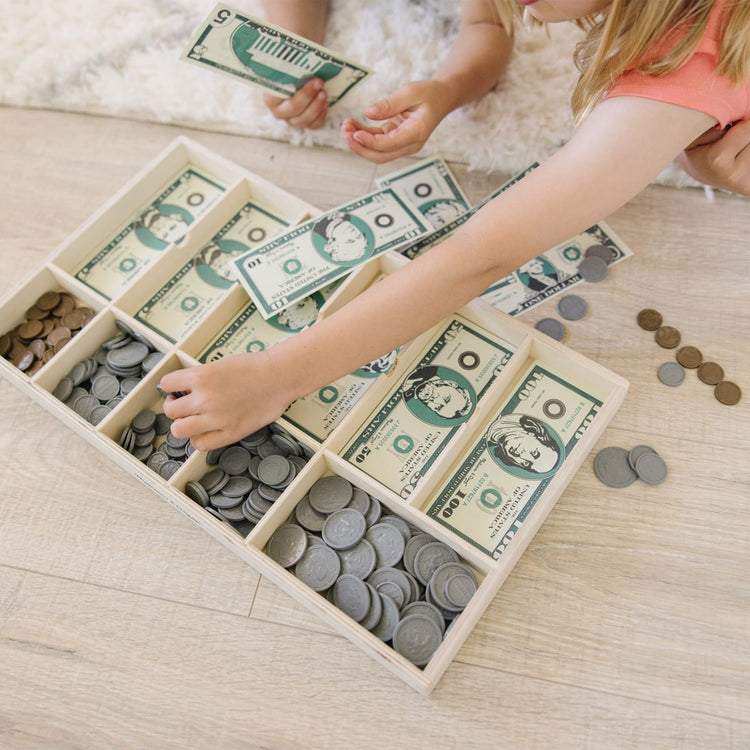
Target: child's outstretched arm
[309, 106]
[475, 62]
[618, 150]
[721, 159]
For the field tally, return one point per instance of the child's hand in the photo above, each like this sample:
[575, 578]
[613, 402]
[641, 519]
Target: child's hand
[410, 115]
[721, 159]
[224, 400]
[307, 108]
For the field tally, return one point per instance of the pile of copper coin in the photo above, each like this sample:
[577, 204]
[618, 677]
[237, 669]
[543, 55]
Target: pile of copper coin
[48, 325]
[690, 358]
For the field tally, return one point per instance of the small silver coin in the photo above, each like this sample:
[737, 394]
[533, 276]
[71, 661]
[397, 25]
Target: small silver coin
[63, 389]
[592, 269]
[389, 619]
[388, 542]
[358, 560]
[412, 547]
[319, 567]
[552, 327]
[352, 596]
[605, 252]
[287, 545]
[395, 577]
[611, 467]
[422, 607]
[344, 528]
[144, 421]
[636, 452]
[416, 638]
[671, 374]
[651, 468]
[430, 558]
[572, 307]
[330, 493]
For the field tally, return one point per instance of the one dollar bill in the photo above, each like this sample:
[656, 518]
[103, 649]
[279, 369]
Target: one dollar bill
[231, 42]
[420, 415]
[314, 254]
[499, 479]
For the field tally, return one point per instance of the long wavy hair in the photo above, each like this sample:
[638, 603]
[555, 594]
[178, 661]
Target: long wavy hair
[622, 39]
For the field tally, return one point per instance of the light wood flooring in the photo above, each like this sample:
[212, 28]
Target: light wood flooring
[626, 624]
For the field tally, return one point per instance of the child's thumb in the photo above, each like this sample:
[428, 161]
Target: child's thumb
[387, 107]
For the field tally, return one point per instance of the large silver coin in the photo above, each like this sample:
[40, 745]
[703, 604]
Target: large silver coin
[552, 327]
[352, 596]
[651, 468]
[612, 467]
[386, 626]
[287, 545]
[572, 307]
[319, 567]
[388, 542]
[358, 560]
[330, 493]
[427, 610]
[416, 638]
[344, 528]
[308, 517]
[430, 558]
[671, 374]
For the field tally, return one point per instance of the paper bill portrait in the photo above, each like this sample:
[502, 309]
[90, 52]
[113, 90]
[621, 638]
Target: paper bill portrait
[439, 396]
[214, 263]
[343, 239]
[525, 446]
[378, 366]
[160, 226]
[300, 315]
[538, 274]
[442, 211]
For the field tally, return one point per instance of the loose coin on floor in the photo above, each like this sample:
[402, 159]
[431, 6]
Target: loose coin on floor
[728, 393]
[671, 374]
[710, 373]
[572, 307]
[592, 269]
[636, 452]
[553, 328]
[651, 468]
[649, 319]
[667, 337]
[689, 356]
[612, 467]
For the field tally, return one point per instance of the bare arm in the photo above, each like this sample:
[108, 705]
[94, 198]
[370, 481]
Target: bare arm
[475, 62]
[605, 164]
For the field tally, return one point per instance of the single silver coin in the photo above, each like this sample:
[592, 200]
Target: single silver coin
[636, 452]
[376, 610]
[442, 576]
[308, 517]
[429, 558]
[330, 493]
[197, 493]
[388, 542]
[572, 307]
[671, 374]
[395, 577]
[352, 596]
[144, 421]
[163, 424]
[392, 591]
[611, 467]
[168, 469]
[105, 387]
[319, 567]
[98, 413]
[374, 512]
[592, 269]
[238, 486]
[287, 545]
[552, 327]
[428, 610]
[417, 637]
[214, 480]
[233, 514]
[344, 528]
[360, 501]
[389, 618]
[221, 501]
[273, 470]
[358, 560]
[605, 252]
[235, 460]
[651, 468]
[400, 524]
[413, 546]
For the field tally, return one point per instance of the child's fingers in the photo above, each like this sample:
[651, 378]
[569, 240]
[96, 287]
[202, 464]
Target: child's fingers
[307, 108]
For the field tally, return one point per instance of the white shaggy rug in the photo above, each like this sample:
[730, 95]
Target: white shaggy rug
[121, 58]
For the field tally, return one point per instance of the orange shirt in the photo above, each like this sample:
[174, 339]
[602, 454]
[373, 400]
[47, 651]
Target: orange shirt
[696, 84]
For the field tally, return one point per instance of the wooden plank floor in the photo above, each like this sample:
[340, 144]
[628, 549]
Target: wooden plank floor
[626, 624]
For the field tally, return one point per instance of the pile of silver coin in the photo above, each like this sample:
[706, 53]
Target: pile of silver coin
[396, 581]
[149, 439]
[617, 467]
[96, 385]
[248, 476]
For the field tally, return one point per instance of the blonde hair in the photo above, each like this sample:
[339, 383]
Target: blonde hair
[621, 39]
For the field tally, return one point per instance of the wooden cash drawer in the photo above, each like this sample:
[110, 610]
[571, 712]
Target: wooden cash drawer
[328, 439]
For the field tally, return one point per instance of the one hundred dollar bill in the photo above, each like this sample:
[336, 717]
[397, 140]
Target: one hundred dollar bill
[231, 42]
[432, 188]
[420, 415]
[249, 331]
[312, 255]
[164, 220]
[499, 478]
[207, 277]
